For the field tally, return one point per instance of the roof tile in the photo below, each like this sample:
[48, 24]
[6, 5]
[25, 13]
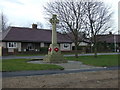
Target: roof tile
[33, 35]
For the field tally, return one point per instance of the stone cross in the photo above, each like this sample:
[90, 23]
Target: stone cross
[54, 21]
[54, 54]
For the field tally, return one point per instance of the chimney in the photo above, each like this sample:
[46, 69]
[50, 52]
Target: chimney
[110, 33]
[34, 26]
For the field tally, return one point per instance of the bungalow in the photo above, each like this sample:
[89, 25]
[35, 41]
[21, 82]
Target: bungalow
[21, 39]
[109, 42]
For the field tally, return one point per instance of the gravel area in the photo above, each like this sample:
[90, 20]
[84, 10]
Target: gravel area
[96, 79]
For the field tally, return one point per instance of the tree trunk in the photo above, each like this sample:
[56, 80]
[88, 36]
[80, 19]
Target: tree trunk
[95, 47]
[95, 51]
[76, 50]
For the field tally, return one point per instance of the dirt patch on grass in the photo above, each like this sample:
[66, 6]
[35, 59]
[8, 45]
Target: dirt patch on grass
[97, 79]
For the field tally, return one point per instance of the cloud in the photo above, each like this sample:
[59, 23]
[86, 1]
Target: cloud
[23, 12]
[15, 1]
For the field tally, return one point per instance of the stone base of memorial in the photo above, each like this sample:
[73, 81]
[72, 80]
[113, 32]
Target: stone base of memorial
[54, 55]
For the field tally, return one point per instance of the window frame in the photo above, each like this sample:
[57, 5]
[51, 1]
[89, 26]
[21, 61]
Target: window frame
[13, 45]
[66, 45]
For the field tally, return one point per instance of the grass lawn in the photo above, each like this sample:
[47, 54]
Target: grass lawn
[101, 60]
[22, 65]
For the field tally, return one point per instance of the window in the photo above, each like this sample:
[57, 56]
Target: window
[66, 45]
[46, 44]
[30, 46]
[12, 44]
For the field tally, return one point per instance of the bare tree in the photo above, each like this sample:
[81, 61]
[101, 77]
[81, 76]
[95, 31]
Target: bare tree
[97, 20]
[3, 22]
[70, 15]
[92, 18]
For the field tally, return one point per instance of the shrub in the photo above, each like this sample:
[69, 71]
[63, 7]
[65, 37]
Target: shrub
[44, 49]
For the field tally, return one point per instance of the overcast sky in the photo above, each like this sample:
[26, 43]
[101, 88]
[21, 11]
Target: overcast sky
[23, 13]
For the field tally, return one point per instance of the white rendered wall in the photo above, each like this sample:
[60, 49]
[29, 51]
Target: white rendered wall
[63, 48]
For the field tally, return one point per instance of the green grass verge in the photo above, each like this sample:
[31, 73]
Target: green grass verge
[0, 64]
[22, 65]
[101, 60]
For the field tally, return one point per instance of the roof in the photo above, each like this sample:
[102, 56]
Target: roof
[22, 34]
[109, 38]
[81, 37]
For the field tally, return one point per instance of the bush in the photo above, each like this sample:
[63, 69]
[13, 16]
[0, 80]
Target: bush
[44, 49]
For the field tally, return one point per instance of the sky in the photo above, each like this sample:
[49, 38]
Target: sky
[119, 18]
[23, 13]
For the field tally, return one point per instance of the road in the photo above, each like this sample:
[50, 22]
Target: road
[49, 72]
[95, 79]
[40, 57]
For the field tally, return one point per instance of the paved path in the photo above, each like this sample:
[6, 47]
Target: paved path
[49, 72]
[70, 65]
[36, 57]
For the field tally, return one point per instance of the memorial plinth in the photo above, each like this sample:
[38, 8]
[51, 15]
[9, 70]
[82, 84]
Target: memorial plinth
[54, 53]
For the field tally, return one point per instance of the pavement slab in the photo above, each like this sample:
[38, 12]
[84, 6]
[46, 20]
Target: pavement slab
[70, 65]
